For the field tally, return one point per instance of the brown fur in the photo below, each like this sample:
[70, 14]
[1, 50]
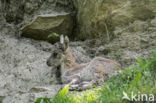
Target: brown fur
[69, 59]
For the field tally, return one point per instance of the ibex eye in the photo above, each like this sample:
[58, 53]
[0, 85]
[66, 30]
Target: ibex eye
[55, 54]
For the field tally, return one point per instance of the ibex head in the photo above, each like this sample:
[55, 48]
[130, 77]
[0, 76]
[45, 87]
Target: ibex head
[57, 55]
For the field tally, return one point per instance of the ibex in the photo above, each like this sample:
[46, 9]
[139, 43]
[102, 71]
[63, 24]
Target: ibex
[80, 76]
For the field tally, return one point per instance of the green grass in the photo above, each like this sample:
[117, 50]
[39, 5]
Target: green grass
[140, 78]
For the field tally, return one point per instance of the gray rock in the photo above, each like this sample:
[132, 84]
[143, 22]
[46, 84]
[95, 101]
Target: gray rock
[44, 26]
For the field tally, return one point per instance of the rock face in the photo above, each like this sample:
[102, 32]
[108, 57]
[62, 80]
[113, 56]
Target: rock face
[44, 26]
[138, 39]
[18, 10]
[94, 18]
[100, 17]
[51, 16]
[24, 75]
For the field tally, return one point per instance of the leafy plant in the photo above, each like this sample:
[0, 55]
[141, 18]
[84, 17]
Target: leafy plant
[107, 32]
[52, 35]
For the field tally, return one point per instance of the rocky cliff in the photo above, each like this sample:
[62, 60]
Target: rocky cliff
[117, 29]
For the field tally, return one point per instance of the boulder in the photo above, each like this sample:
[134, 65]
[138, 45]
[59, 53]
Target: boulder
[46, 27]
[100, 17]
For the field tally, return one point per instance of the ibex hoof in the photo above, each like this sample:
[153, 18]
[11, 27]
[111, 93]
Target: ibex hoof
[84, 86]
[73, 87]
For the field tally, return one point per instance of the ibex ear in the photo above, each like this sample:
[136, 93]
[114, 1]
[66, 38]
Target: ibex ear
[62, 39]
[66, 41]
